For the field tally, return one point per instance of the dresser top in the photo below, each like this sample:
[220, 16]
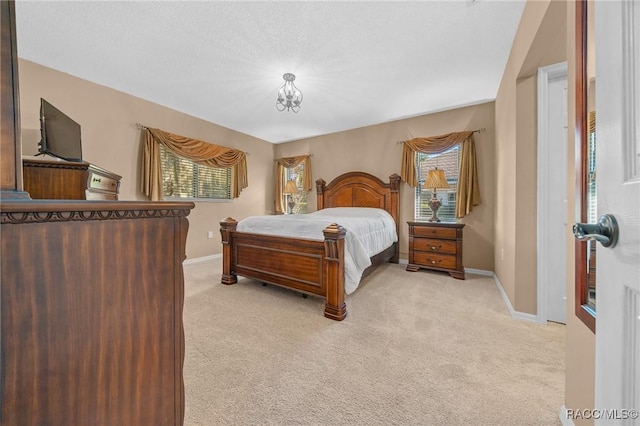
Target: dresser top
[436, 224]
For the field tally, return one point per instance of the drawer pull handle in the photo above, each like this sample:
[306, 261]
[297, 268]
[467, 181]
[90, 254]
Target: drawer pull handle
[97, 180]
[433, 262]
[436, 248]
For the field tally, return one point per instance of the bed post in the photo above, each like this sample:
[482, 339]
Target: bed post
[394, 186]
[335, 308]
[226, 227]
[320, 183]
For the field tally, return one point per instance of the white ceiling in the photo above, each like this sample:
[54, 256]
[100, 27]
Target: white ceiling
[357, 63]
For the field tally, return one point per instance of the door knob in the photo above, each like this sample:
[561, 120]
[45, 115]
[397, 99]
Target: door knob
[605, 231]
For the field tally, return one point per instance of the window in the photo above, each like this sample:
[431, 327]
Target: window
[449, 161]
[182, 178]
[297, 174]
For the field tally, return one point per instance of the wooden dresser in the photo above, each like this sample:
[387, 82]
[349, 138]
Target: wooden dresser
[52, 179]
[91, 301]
[437, 246]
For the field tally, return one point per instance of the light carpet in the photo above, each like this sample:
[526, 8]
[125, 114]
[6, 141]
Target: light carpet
[415, 349]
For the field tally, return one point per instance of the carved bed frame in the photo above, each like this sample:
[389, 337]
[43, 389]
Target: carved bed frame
[311, 266]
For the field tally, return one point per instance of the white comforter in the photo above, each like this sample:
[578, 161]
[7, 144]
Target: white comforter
[369, 232]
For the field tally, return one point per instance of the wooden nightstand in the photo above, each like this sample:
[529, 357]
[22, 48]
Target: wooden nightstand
[437, 246]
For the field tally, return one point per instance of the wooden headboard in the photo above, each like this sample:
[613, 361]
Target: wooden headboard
[360, 189]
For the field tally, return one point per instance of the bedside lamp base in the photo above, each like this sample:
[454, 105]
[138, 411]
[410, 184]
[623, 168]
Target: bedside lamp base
[434, 204]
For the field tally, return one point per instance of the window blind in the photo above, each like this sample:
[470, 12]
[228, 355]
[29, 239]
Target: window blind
[183, 178]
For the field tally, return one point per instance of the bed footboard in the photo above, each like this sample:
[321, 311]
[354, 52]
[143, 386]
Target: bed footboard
[310, 266]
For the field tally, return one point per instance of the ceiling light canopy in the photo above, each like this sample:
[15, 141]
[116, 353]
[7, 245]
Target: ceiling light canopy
[289, 97]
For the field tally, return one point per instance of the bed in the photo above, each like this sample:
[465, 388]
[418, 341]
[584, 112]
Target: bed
[312, 265]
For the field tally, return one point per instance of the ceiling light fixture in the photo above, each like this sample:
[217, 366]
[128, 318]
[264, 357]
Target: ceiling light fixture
[289, 97]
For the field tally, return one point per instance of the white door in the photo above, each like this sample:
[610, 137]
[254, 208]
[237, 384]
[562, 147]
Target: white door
[557, 169]
[617, 29]
[552, 202]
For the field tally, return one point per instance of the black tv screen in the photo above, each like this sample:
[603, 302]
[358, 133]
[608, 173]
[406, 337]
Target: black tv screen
[60, 134]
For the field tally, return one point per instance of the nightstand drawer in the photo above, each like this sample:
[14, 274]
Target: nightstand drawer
[435, 260]
[422, 231]
[435, 246]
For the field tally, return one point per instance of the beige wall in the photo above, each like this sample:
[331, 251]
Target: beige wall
[545, 36]
[526, 183]
[111, 140]
[373, 149]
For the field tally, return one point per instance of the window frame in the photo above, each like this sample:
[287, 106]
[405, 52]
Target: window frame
[447, 212]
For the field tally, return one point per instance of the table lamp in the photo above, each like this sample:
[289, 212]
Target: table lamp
[289, 189]
[436, 179]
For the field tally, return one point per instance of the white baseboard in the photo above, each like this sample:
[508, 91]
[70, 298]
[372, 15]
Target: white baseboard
[514, 314]
[403, 261]
[478, 272]
[564, 419]
[202, 259]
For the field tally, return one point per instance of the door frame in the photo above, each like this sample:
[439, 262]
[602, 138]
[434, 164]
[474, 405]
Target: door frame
[546, 75]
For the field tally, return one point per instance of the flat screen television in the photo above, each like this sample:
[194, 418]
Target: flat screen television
[60, 135]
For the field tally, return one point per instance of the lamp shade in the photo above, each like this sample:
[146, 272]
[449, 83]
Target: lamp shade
[290, 187]
[436, 179]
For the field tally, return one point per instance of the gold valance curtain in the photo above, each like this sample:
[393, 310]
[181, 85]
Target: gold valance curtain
[468, 192]
[286, 163]
[195, 150]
